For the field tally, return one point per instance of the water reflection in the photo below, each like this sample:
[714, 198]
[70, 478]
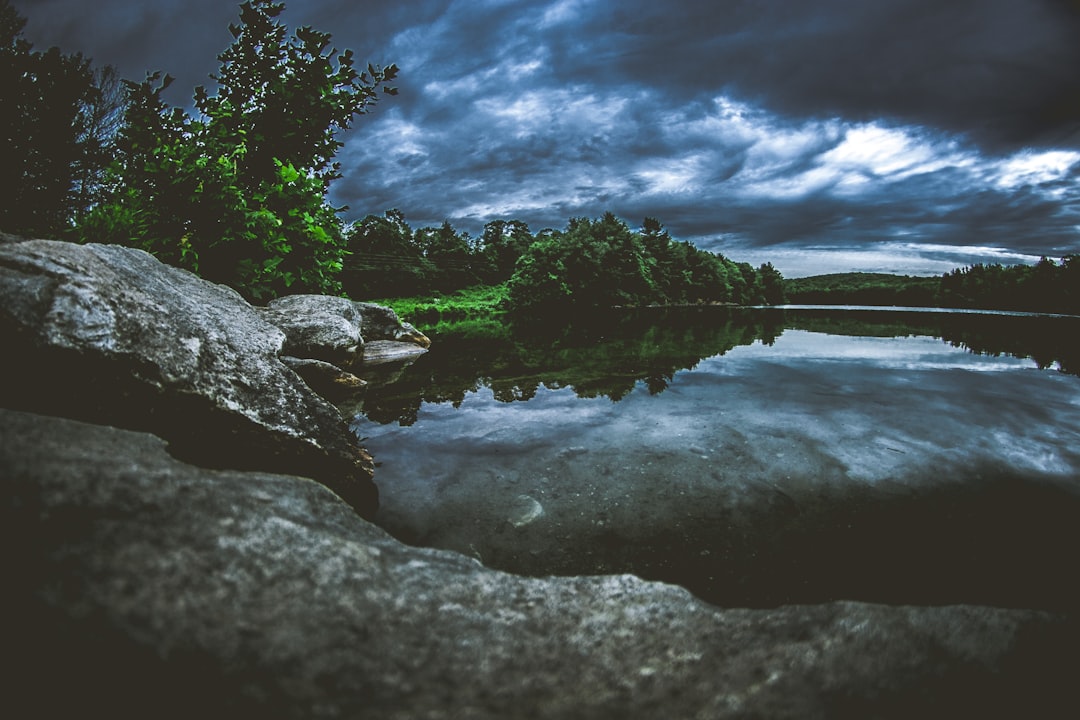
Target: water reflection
[608, 355]
[755, 457]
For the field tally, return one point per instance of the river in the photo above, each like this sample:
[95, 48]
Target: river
[757, 457]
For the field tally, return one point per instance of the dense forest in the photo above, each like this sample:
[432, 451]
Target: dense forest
[863, 289]
[1047, 286]
[591, 264]
[237, 192]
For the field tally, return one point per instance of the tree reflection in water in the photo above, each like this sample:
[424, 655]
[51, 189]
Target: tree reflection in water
[608, 354]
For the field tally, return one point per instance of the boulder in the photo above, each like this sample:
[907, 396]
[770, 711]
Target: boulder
[145, 587]
[111, 335]
[320, 327]
[338, 330]
[382, 323]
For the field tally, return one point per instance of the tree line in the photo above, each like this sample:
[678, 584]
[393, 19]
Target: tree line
[1048, 286]
[592, 263]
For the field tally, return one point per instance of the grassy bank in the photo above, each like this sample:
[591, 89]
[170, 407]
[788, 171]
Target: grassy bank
[480, 301]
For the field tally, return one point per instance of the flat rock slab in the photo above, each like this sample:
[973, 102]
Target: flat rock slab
[378, 352]
[142, 586]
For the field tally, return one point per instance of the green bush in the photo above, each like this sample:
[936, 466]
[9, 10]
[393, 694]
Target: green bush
[238, 194]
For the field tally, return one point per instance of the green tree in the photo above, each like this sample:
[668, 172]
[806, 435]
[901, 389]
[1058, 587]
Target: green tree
[668, 261]
[501, 245]
[451, 254]
[752, 291]
[238, 193]
[593, 264]
[385, 260]
[1045, 287]
[55, 126]
[706, 276]
[540, 282]
[772, 284]
[601, 263]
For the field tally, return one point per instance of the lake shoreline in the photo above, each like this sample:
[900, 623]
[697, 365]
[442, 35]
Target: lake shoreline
[732, 471]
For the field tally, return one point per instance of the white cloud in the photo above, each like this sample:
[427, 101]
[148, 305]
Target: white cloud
[554, 111]
[401, 137]
[1035, 168]
[894, 257]
[679, 175]
[877, 150]
[561, 12]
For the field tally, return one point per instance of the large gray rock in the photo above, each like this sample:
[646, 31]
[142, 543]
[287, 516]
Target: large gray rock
[382, 323]
[337, 330]
[112, 335]
[320, 327]
[145, 587]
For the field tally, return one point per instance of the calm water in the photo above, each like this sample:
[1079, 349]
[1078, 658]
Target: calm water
[756, 457]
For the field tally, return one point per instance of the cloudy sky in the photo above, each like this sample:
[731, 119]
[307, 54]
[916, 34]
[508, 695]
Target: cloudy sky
[908, 136]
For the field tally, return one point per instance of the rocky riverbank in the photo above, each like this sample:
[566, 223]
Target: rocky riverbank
[186, 533]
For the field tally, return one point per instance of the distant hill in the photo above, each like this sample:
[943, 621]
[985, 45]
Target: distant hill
[858, 288]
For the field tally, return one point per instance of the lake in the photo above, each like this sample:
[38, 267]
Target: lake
[757, 457]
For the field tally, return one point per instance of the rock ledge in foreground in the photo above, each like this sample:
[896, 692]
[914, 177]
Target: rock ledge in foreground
[145, 587]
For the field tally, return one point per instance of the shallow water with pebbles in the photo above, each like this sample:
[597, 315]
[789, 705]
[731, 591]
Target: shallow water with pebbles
[808, 468]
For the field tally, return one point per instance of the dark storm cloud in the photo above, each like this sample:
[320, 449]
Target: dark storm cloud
[914, 131]
[1003, 71]
[182, 39]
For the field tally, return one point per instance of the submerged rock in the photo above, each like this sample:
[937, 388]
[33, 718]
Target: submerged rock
[111, 335]
[146, 587]
[525, 511]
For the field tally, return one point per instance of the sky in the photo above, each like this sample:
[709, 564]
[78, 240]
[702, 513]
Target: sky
[901, 136]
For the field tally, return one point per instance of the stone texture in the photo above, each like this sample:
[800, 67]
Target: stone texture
[328, 380]
[338, 330]
[145, 587]
[382, 323]
[318, 326]
[379, 352]
[111, 335]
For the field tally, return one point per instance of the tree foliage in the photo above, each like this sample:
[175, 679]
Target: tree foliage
[1047, 286]
[602, 263]
[863, 289]
[390, 259]
[384, 259]
[238, 192]
[597, 263]
[57, 123]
